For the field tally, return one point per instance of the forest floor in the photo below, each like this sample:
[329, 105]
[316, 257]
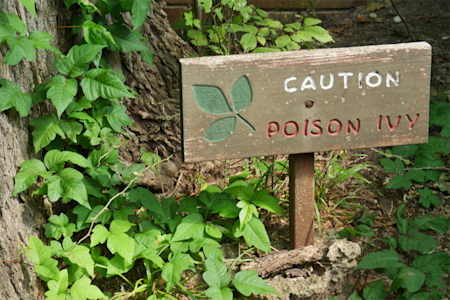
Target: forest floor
[428, 21]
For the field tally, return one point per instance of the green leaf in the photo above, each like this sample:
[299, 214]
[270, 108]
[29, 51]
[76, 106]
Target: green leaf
[191, 226]
[354, 296]
[116, 116]
[20, 48]
[45, 131]
[375, 291]
[211, 99]
[427, 198]
[76, 62]
[436, 145]
[264, 200]
[417, 241]
[255, 235]
[369, 219]
[248, 282]
[405, 150]
[99, 235]
[55, 159]
[365, 230]
[122, 244]
[265, 50]
[125, 40]
[207, 244]
[311, 21]
[11, 95]
[220, 130]
[154, 257]
[60, 286]
[390, 241]
[302, 36]
[434, 264]
[216, 271]
[29, 4]
[14, 22]
[117, 265]
[139, 12]
[241, 93]
[79, 255]
[101, 83]
[397, 167]
[147, 199]
[171, 271]
[96, 34]
[103, 217]
[40, 255]
[283, 41]
[248, 42]
[120, 226]
[402, 222]
[242, 192]
[82, 289]
[6, 32]
[216, 293]
[189, 204]
[398, 181]
[319, 33]
[37, 251]
[413, 279]
[211, 230]
[31, 169]
[247, 212]
[151, 159]
[71, 128]
[441, 225]
[212, 201]
[41, 40]
[376, 260]
[39, 93]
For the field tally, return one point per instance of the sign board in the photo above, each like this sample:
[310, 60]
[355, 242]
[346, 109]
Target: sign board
[305, 101]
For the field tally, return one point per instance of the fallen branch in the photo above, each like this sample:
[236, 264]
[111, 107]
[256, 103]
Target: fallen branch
[277, 262]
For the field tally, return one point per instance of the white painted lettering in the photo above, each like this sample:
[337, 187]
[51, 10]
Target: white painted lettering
[288, 89]
[308, 83]
[390, 77]
[346, 75]
[373, 74]
[360, 80]
[330, 85]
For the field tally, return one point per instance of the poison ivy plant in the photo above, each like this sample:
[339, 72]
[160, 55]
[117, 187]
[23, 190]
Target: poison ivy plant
[409, 276]
[250, 29]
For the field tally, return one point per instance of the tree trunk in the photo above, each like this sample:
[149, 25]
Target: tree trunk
[155, 115]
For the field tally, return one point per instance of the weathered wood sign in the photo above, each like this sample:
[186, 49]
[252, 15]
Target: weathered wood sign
[305, 101]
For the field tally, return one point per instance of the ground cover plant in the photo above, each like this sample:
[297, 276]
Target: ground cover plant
[412, 261]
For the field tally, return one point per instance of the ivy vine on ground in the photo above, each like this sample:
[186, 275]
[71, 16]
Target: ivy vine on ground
[413, 264]
[114, 224]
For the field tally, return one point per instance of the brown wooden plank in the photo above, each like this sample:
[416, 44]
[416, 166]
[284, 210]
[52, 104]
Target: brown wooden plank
[272, 102]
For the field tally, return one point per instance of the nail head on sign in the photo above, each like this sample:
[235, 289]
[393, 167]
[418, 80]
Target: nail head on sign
[309, 103]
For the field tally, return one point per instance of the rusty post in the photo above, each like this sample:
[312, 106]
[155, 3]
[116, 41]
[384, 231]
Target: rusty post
[301, 199]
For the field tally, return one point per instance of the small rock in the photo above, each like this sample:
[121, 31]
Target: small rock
[397, 19]
[373, 15]
[400, 30]
[334, 279]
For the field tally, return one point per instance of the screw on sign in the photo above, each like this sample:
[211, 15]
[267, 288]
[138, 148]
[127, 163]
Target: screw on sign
[300, 102]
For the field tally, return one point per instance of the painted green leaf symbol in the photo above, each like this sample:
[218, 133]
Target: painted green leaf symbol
[220, 129]
[211, 99]
[241, 93]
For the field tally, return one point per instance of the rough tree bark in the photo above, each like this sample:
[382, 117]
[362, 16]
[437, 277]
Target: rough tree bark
[155, 115]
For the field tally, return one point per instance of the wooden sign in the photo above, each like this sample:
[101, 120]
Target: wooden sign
[305, 101]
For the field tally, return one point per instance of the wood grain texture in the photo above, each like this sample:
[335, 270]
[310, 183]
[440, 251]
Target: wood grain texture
[272, 103]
